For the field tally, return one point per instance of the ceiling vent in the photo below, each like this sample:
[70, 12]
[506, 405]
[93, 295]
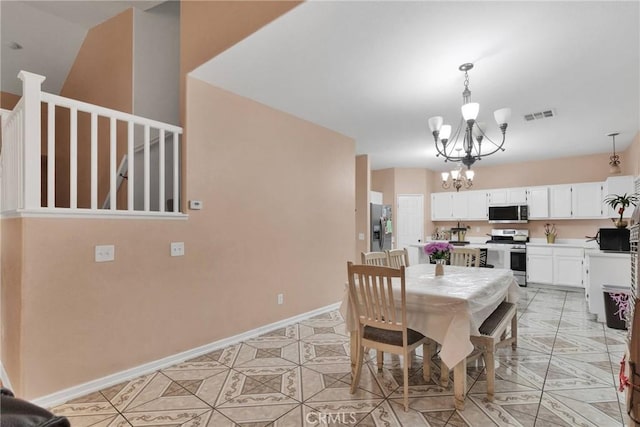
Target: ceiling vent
[540, 115]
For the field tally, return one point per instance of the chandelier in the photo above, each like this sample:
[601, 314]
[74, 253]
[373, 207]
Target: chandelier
[458, 179]
[470, 135]
[614, 159]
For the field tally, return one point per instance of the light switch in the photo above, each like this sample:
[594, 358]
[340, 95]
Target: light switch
[361, 236]
[195, 205]
[105, 253]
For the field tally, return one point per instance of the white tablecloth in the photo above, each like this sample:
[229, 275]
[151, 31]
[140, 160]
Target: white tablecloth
[450, 308]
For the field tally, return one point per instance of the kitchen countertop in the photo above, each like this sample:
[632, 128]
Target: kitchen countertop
[607, 254]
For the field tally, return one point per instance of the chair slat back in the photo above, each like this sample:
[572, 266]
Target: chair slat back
[397, 258]
[374, 258]
[371, 296]
[465, 257]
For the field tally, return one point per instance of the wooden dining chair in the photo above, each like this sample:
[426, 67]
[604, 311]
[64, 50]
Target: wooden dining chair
[382, 320]
[374, 258]
[397, 258]
[465, 257]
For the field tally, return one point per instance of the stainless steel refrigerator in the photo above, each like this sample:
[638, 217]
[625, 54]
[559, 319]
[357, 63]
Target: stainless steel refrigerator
[381, 227]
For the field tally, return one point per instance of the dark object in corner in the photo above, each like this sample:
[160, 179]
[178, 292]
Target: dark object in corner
[20, 413]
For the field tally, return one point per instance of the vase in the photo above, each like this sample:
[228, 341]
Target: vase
[440, 267]
[551, 238]
[619, 223]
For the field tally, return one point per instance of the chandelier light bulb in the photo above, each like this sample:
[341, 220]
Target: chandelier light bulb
[445, 132]
[502, 116]
[470, 111]
[445, 176]
[469, 173]
[435, 123]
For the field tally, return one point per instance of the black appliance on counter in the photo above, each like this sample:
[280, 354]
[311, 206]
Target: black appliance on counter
[614, 239]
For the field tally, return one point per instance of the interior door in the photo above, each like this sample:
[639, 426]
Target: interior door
[410, 223]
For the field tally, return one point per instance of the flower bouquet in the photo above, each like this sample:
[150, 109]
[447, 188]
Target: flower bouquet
[439, 252]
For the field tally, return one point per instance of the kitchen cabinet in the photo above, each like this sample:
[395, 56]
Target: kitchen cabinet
[560, 266]
[477, 205]
[538, 201]
[441, 206]
[459, 206]
[467, 205]
[560, 201]
[539, 265]
[617, 185]
[586, 200]
[567, 266]
[515, 196]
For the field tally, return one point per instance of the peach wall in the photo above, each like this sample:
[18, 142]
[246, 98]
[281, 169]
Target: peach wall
[208, 28]
[363, 184]
[278, 217]
[568, 170]
[11, 299]
[102, 74]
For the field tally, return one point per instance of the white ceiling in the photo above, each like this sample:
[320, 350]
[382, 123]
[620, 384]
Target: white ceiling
[376, 71]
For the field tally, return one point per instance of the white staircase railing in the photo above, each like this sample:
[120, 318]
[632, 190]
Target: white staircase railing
[22, 150]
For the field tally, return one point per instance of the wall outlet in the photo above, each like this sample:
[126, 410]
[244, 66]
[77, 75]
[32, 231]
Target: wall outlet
[280, 299]
[177, 248]
[361, 236]
[105, 253]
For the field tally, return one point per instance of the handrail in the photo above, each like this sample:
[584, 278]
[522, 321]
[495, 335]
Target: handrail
[24, 149]
[61, 101]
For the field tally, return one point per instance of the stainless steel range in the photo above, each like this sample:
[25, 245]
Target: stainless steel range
[514, 242]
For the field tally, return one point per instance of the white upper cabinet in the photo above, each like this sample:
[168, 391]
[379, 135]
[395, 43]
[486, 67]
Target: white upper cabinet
[465, 205]
[459, 207]
[617, 185]
[477, 205]
[501, 196]
[560, 201]
[586, 200]
[538, 201]
[441, 206]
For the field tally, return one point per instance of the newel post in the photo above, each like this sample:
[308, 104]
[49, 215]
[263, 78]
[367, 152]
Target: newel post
[31, 94]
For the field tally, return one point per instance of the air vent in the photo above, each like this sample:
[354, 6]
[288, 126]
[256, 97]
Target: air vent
[540, 115]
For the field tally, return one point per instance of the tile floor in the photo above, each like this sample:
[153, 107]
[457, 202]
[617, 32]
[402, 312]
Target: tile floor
[564, 373]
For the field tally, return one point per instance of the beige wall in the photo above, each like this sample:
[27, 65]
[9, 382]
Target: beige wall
[588, 168]
[11, 297]
[363, 184]
[278, 217]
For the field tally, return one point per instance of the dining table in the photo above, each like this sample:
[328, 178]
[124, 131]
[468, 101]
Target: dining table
[448, 309]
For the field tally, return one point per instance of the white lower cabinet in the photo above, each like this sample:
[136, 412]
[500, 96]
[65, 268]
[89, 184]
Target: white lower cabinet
[555, 265]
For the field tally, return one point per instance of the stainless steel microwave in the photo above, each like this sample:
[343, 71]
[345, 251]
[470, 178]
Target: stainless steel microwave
[508, 214]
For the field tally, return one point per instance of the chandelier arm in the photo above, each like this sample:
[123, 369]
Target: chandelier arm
[498, 146]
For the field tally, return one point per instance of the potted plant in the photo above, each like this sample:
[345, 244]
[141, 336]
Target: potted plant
[619, 203]
[550, 232]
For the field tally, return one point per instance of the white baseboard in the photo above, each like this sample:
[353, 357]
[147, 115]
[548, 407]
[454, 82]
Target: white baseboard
[65, 395]
[4, 377]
